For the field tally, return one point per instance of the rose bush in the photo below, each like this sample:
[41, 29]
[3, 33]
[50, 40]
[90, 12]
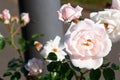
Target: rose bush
[87, 42]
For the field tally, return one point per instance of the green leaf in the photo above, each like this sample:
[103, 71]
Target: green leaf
[23, 70]
[69, 74]
[95, 74]
[87, 78]
[66, 71]
[53, 66]
[44, 77]
[106, 64]
[7, 74]
[52, 56]
[115, 66]
[7, 40]
[108, 74]
[14, 64]
[34, 36]
[13, 78]
[21, 41]
[1, 79]
[17, 75]
[2, 43]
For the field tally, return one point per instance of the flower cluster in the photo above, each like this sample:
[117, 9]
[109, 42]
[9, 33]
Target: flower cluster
[13, 24]
[86, 44]
[5, 16]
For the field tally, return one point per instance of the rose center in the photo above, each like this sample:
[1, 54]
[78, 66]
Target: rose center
[54, 50]
[106, 25]
[87, 43]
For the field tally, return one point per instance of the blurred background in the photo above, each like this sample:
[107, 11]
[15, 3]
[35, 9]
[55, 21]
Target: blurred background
[89, 6]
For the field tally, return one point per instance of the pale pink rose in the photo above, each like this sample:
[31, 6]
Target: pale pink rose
[34, 66]
[6, 16]
[115, 4]
[25, 18]
[87, 43]
[67, 13]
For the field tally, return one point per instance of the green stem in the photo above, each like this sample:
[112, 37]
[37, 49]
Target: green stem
[13, 40]
[15, 47]
[82, 74]
[17, 29]
[76, 76]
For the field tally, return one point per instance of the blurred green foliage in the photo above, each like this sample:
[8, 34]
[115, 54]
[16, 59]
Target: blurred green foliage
[90, 3]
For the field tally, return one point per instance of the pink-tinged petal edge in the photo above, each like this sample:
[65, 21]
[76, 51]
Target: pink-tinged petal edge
[89, 64]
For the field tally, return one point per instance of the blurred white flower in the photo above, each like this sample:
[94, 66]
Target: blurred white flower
[15, 19]
[111, 20]
[55, 47]
[25, 18]
[6, 16]
[34, 66]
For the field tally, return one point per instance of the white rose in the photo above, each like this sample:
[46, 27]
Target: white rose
[111, 20]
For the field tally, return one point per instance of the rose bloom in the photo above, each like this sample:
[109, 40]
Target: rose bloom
[25, 18]
[111, 20]
[115, 4]
[34, 66]
[87, 43]
[54, 46]
[6, 16]
[67, 13]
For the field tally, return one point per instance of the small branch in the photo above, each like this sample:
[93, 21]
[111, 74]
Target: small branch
[76, 76]
[82, 74]
[8, 27]
[17, 29]
[86, 71]
[15, 47]
[12, 34]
